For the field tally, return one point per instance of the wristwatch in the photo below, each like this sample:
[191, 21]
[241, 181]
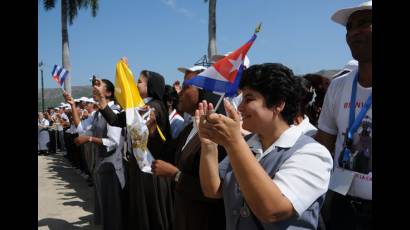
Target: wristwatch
[177, 176]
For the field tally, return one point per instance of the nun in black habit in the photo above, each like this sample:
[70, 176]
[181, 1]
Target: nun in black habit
[191, 208]
[150, 198]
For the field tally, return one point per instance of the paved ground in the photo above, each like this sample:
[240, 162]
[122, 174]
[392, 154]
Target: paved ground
[65, 202]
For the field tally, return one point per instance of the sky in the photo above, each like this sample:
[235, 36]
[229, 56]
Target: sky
[162, 35]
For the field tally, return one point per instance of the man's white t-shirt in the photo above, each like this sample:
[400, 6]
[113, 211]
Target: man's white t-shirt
[334, 119]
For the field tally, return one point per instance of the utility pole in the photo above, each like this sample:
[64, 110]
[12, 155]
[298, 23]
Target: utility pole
[42, 84]
[203, 62]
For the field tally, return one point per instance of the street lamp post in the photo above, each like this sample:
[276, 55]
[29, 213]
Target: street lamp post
[42, 85]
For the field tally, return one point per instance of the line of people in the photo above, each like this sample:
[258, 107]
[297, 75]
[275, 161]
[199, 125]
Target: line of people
[56, 133]
[263, 160]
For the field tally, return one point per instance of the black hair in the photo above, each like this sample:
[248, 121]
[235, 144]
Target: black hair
[276, 83]
[320, 85]
[306, 92]
[170, 94]
[110, 88]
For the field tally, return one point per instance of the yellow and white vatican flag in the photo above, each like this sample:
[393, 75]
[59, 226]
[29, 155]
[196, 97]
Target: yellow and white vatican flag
[128, 96]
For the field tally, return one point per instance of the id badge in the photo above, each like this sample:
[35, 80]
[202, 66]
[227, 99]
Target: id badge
[341, 180]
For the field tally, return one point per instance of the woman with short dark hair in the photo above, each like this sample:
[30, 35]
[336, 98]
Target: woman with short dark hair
[274, 178]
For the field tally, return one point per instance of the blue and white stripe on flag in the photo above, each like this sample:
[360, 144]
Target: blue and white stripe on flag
[59, 74]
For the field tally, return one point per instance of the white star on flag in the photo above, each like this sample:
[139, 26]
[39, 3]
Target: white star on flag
[236, 63]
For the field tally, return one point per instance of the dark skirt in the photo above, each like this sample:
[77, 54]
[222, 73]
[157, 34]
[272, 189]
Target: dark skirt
[53, 141]
[198, 214]
[108, 201]
[150, 199]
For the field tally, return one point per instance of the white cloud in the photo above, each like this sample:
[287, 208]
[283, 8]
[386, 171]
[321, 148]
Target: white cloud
[186, 12]
[170, 3]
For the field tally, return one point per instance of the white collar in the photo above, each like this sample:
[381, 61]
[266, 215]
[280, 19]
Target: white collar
[304, 123]
[172, 114]
[286, 140]
[147, 99]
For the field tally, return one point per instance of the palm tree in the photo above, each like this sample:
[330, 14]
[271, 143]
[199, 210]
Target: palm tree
[69, 10]
[211, 29]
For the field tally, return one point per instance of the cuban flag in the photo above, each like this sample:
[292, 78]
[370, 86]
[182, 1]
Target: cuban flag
[224, 76]
[59, 74]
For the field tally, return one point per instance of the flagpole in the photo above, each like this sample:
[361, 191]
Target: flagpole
[61, 87]
[219, 102]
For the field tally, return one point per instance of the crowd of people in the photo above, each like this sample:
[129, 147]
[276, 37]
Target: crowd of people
[289, 152]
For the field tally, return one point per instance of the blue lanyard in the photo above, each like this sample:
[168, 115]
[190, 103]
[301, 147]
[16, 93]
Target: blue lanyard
[355, 123]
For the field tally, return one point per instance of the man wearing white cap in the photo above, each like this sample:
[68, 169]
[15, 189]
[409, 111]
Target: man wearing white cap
[188, 74]
[345, 127]
[192, 71]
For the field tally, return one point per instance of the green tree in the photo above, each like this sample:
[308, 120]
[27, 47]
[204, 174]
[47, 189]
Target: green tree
[211, 29]
[69, 11]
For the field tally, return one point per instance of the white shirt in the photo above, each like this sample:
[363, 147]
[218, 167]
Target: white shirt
[307, 128]
[72, 129]
[113, 133]
[43, 122]
[334, 119]
[192, 133]
[305, 175]
[176, 122]
[59, 125]
[113, 140]
[86, 124]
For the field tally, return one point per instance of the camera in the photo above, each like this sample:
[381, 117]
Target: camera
[94, 80]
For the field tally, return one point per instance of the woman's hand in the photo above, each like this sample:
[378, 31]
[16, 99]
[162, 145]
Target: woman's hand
[68, 98]
[81, 140]
[200, 121]
[152, 122]
[162, 168]
[223, 130]
[125, 60]
[98, 92]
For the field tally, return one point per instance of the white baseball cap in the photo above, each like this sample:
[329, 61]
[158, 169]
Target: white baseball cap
[342, 16]
[192, 69]
[218, 57]
[90, 100]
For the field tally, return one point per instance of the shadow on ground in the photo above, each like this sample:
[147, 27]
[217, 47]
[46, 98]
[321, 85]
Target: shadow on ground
[59, 224]
[61, 170]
